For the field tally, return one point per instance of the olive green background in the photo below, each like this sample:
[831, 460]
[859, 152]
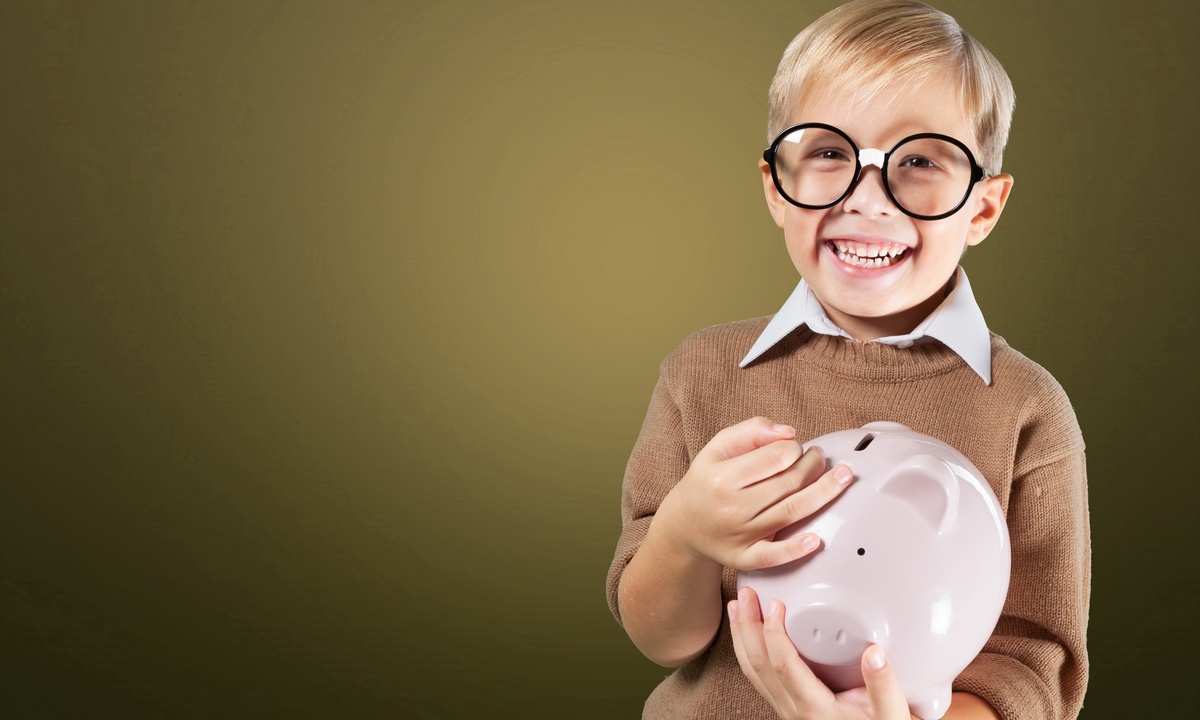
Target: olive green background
[327, 329]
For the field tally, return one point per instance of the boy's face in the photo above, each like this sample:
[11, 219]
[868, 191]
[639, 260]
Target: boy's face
[873, 302]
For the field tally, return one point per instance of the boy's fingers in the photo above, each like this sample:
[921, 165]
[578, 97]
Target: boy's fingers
[745, 436]
[770, 553]
[883, 691]
[808, 693]
[753, 656]
[809, 468]
[805, 502]
[739, 648]
[766, 463]
[800, 474]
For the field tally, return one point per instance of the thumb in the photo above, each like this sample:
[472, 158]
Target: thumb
[745, 436]
[883, 690]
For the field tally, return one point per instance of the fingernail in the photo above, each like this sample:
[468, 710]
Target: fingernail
[843, 474]
[772, 608]
[876, 659]
[784, 429]
[731, 609]
[742, 595]
[809, 543]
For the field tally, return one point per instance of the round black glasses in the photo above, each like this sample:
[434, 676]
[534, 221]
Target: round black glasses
[927, 176]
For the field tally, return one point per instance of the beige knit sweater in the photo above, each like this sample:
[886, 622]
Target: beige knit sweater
[1020, 432]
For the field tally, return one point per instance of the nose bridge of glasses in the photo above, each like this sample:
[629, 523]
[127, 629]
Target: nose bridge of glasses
[877, 198]
[868, 157]
[871, 156]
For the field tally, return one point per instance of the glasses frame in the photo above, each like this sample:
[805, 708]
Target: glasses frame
[977, 173]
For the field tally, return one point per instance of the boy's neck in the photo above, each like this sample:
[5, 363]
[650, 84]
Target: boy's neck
[867, 329]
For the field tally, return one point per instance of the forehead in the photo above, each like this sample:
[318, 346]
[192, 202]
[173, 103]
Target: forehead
[882, 112]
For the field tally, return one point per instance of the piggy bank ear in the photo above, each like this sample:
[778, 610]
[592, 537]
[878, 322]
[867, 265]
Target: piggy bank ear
[927, 484]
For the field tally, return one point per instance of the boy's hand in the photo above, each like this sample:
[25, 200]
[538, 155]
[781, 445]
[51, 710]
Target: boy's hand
[770, 661]
[749, 482]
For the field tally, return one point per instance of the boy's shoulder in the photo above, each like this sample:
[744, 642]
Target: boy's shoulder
[724, 345]
[1013, 365]
[1039, 404]
[1037, 391]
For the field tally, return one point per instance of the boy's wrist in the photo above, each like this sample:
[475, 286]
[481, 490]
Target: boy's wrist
[668, 531]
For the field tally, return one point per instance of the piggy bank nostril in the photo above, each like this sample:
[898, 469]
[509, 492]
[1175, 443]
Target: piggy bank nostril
[827, 635]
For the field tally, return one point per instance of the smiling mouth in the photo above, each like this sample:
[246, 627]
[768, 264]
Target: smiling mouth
[868, 255]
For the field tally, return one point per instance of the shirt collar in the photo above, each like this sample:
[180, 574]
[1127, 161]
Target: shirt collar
[957, 323]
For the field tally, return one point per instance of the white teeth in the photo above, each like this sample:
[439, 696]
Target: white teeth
[868, 256]
[864, 262]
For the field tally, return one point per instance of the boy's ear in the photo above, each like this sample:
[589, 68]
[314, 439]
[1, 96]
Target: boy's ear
[775, 202]
[988, 207]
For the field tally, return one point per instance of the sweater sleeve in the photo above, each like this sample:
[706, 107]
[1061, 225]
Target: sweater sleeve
[1035, 663]
[659, 459]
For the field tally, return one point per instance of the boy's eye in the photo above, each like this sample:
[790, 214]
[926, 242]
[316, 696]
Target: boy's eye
[830, 154]
[918, 163]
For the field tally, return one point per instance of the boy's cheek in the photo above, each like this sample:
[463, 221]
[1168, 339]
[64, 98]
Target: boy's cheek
[800, 230]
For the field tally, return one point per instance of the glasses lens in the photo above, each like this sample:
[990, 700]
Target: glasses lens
[814, 166]
[928, 176]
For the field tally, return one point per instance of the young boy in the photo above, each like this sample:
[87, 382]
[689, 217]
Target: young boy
[887, 126]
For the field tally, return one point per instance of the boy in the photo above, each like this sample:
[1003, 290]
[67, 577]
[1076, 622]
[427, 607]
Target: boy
[887, 126]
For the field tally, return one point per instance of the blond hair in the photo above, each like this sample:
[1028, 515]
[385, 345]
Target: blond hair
[874, 42]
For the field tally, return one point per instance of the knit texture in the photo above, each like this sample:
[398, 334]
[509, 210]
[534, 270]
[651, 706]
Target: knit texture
[1020, 432]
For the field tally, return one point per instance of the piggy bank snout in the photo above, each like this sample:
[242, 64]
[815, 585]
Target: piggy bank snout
[832, 635]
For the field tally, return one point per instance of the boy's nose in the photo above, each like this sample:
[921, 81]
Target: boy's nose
[868, 196]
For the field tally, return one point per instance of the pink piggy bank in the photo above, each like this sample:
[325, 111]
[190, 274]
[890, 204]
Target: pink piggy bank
[915, 557]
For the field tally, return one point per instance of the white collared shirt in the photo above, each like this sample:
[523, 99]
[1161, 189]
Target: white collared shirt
[957, 323]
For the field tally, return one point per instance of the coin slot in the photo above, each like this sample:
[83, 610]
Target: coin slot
[862, 444]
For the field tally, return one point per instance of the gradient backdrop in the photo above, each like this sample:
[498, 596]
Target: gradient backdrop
[328, 328]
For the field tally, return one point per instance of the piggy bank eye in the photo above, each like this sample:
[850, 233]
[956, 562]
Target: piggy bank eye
[862, 551]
